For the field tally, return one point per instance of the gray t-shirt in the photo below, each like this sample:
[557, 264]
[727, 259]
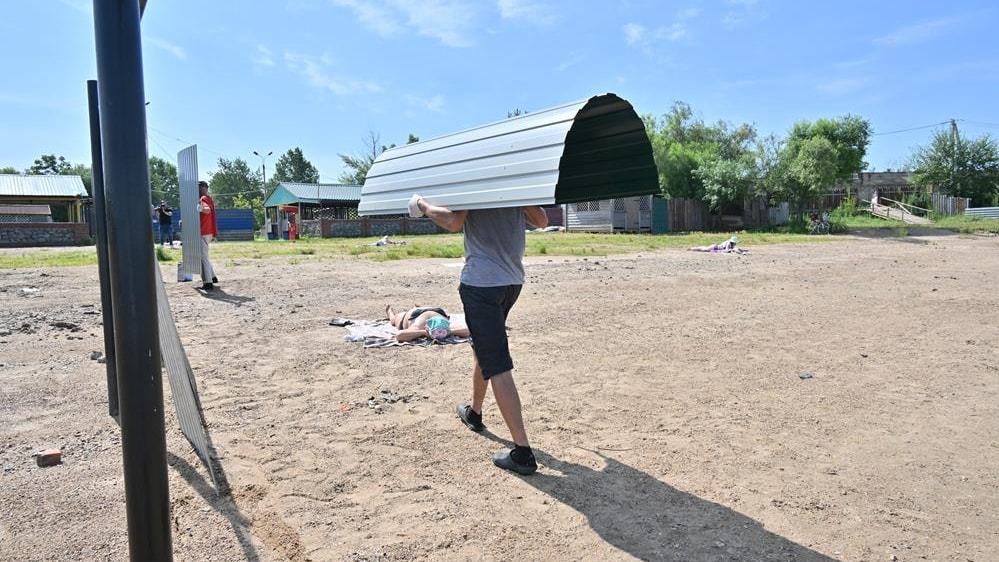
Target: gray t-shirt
[494, 247]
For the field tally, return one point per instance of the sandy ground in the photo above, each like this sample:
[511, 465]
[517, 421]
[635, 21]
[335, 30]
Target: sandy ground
[663, 393]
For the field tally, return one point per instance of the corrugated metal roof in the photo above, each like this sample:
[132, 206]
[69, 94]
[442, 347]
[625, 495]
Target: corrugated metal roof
[41, 186]
[287, 193]
[582, 151]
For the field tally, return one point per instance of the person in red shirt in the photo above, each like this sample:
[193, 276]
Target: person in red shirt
[209, 231]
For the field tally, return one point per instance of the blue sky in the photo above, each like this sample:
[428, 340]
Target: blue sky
[238, 76]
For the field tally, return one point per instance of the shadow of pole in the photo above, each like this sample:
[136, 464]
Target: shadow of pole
[222, 503]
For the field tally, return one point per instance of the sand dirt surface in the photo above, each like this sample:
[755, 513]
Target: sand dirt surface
[663, 393]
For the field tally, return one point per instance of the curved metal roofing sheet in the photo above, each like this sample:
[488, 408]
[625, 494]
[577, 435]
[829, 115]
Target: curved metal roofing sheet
[41, 186]
[591, 149]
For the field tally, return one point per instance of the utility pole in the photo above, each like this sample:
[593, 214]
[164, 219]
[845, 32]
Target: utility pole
[263, 167]
[953, 154]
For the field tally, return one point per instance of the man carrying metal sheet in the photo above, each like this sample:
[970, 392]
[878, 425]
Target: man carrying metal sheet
[209, 231]
[491, 280]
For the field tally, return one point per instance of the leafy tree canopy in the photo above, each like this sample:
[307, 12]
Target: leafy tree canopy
[164, 181]
[727, 181]
[9, 170]
[49, 165]
[849, 135]
[234, 178]
[683, 143]
[293, 167]
[960, 167]
[812, 167]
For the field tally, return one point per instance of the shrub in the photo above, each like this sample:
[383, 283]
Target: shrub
[162, 254]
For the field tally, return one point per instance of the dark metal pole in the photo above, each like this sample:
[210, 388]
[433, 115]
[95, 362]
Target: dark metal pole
[103, 268]
[132, 267]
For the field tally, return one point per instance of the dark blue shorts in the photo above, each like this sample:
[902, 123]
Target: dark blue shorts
[486, 309]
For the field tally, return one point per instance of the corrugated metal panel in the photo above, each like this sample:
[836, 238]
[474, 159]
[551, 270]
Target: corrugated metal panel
[183, 387]
[234, 219]
[287, 193]
[187, 173]
[983, 212]
[583, 151]
[41, 186]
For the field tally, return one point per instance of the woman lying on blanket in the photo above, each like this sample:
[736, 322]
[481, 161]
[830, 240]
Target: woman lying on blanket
[721, 247]
[420, 322]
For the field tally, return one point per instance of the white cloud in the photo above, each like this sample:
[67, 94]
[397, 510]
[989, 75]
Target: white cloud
[841, 86]
[533, 12]
[674, 32]
[264, 56]
[637, 34]
[567, 64]
[743, 13]
[81, 6]
[916, 33]
[174, 50]
[634, 34]
[317, 72]
[448, 21]
[854, 63]
[688, 13]
[435, 103]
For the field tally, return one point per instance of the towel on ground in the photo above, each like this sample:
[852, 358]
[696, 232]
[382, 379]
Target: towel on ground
[380, 333]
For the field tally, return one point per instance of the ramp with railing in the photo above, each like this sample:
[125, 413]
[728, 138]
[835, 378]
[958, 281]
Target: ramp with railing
[896, 210]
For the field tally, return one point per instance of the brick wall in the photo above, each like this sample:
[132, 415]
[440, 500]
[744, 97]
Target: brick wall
[44, 234]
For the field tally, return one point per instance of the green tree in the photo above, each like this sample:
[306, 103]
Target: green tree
[49, 165]
[683, 143]
[9, 170]
[850, 135]
[812, 167]
[234, 178]
[358, 165]
[85, 173]
[771, 168]
[958, 166]
[293, 167]
[727, 181]
[164, 181]
[242, 201]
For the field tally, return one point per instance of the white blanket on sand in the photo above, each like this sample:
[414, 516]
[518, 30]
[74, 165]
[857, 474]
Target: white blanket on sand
[379, 333]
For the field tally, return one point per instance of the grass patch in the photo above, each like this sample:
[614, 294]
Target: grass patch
[47, 257]
[968, 225]
[162, 254]
[451, 246]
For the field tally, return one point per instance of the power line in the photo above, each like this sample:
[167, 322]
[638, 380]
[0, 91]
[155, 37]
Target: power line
[200, 148]
[982, 123]
[913, 128]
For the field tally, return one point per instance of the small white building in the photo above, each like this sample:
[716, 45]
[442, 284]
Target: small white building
[624, 214]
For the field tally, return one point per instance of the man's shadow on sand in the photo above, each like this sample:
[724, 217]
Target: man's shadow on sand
[217, 294]
[652, 520]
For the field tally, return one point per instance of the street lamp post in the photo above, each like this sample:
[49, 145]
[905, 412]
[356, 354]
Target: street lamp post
[263, 167]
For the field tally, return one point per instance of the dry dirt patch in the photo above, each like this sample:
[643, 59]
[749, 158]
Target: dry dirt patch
[663, 392]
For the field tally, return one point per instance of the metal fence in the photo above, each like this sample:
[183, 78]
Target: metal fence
[983, 212]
